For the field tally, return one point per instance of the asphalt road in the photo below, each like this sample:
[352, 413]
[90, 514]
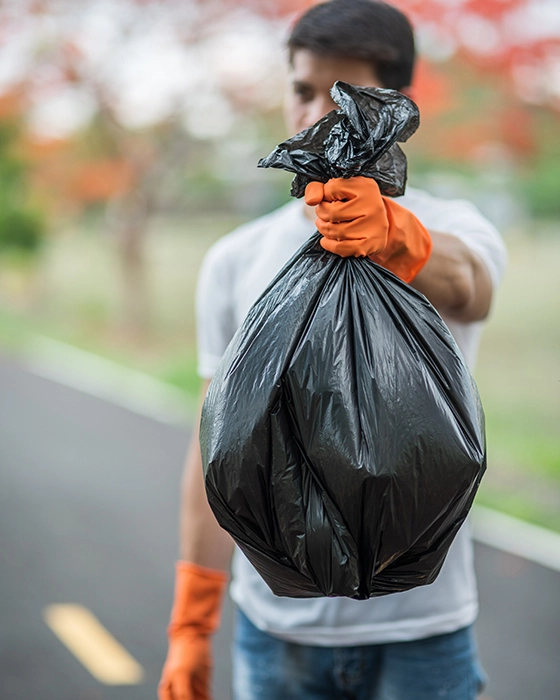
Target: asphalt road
[88, 515]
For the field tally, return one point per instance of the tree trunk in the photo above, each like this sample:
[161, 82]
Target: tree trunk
[133, 222]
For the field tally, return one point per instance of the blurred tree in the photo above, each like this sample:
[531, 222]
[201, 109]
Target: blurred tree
[132, 83]
[118, 91]
[21, 224]
[541, 174]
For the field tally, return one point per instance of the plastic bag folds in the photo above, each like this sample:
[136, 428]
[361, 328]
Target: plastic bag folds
[358, 139]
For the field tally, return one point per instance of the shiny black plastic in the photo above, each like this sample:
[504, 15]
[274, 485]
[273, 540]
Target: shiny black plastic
[342, 436]
[358, 139]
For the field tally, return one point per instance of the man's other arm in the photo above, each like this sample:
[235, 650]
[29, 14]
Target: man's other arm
[355, 219]
[202, 540]
[205, 551]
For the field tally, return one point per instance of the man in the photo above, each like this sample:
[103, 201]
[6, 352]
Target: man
[406, 646]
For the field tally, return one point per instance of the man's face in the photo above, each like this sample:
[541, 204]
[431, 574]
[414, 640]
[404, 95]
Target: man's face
[311, 77]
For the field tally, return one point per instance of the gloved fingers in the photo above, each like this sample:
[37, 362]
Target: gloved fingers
[178, 689]
[201, 685]
[356, 230]
[346, 249]
[164, 690]
[183, 689]
[337, 211]
[339, 189]
[347, 230]
[314, 193]
[349, 188]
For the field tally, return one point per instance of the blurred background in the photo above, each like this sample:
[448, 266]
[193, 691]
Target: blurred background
[129, 136]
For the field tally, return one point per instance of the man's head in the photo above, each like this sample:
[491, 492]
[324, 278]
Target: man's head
[362, 42]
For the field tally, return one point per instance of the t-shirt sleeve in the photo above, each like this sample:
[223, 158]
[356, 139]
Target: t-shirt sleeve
[462, 219]
[214, 309]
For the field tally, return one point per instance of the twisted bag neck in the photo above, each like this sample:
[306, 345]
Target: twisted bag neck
[360, 138]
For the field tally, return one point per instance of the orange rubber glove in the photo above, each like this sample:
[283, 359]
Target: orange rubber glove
[356, 220]
[194, 617]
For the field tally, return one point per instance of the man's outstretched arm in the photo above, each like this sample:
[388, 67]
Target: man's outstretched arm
[205, 551]
[355, 220]
[455, 280]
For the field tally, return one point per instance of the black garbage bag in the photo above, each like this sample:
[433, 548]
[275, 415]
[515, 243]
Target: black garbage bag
[342, 436]
[358, 139]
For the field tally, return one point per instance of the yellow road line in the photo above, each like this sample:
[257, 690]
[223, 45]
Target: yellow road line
[82, 633]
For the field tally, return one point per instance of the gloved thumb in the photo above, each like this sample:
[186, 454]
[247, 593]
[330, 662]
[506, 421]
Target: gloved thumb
[314, 193]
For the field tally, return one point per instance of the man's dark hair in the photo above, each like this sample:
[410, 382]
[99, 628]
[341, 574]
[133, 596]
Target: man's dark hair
[364, 29]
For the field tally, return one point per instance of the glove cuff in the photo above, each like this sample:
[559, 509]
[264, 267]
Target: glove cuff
[198, 597]
[409, 245]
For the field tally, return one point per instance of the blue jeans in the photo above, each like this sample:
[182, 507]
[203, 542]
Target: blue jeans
[268, 668]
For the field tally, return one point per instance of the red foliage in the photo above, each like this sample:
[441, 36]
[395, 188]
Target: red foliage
[12, 103]
[270, 8]
[461, 142]
[433, 91]
[491, 9]
[517, 130]
[100, 180]
[61, 178]
[436, 90]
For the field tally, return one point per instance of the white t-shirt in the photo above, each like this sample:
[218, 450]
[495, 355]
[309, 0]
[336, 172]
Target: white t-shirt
[235, 271]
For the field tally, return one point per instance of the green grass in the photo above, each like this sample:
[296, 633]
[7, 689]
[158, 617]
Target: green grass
[15, 331]
[518, 375]
[74, 295]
